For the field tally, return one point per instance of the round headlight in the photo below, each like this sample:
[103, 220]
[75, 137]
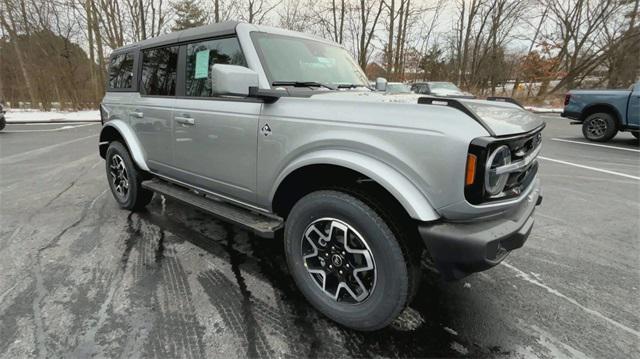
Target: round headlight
[493, 182]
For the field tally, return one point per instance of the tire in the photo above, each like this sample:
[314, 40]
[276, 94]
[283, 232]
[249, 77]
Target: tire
[125, 178]
[378, 295]
[599, 127]
[3, 123]
[636, 135]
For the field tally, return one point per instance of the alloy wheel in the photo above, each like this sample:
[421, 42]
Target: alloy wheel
[119, 176]
[597, 127]
[339, 260]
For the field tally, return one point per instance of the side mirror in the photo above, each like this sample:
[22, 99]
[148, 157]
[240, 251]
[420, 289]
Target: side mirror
[232, 80]
[381, 84]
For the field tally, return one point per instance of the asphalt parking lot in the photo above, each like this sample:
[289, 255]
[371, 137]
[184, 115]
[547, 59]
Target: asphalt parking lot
[79, 277]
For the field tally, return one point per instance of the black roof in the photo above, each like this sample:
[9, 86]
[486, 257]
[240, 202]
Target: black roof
[200, 32]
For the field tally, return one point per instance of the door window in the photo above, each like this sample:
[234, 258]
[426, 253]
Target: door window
[159, 70]
[121, 71]
[202, 55]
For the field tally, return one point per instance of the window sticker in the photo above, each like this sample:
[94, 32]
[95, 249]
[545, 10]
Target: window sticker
[202, 64]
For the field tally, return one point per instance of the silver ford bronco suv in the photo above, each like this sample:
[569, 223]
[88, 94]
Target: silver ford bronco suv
[280, 133]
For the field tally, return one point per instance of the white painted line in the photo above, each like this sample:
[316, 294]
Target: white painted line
[50, 123]
[590, 168]
[40, 150]
[594, 144]
[66, 127]
[525, 276]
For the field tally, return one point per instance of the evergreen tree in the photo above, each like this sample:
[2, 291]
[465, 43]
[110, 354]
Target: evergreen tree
[188, 14]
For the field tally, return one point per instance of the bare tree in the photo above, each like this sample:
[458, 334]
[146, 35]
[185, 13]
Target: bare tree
[7, 20]
[256, 11]
[369, 12]
[579, 31]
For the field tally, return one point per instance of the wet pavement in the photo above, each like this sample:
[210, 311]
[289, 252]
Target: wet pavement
[80, 277]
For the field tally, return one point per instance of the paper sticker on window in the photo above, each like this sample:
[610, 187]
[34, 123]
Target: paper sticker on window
[202, 64]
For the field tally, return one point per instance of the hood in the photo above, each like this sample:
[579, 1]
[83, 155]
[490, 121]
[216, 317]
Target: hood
[500, 118]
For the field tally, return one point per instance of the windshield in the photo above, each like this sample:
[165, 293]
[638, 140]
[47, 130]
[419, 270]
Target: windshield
[398, 88]
[448, 86]
[294, 59]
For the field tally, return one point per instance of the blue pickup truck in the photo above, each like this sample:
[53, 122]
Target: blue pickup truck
[602, 113]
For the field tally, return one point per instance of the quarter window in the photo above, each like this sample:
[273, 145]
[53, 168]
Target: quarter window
[121, 71]
[159, 71]
[202, 55]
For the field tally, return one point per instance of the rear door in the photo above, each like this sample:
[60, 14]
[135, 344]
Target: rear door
[215, 137]
[151, 115]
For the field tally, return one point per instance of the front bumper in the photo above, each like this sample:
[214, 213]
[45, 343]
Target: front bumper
[461, 248]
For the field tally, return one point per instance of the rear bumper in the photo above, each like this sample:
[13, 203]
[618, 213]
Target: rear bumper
[570, 115]
[459, 249]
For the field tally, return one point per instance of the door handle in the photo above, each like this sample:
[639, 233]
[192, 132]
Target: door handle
[136, 114]
[188, 121]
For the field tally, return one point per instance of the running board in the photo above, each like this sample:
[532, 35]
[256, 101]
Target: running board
[261, 225]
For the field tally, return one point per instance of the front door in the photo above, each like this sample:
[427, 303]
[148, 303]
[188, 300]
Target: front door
[215, 138]
[633, 112]
[151, 115]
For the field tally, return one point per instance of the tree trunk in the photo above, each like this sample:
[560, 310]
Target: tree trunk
[396, 60]
[99, 50]
[392, 12]
[143, 30]
[13, 36]
[92, 58]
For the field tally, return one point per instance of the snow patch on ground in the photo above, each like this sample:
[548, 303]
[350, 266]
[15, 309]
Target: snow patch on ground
[543, 109]
[450, 331]
[459, 348]
[23, 116]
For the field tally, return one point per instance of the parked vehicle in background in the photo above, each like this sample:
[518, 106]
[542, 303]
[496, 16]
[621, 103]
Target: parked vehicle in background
[440, 89]
[397, 88]
[3, 121]
[280, 133]
[602, 113]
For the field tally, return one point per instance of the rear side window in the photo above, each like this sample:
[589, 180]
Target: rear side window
[121, 71]
[202, 55]
[159, 71]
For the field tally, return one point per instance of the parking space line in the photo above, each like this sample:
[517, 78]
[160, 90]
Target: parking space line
[65, 127]
[594, 144]
[45, 123]
[40, 150]
[589, 168]
[533, 280]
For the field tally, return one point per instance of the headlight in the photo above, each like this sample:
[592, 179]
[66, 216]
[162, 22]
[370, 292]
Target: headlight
[494, 183]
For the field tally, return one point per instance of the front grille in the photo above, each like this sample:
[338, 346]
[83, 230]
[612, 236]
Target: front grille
[522, 148]
[522, 170]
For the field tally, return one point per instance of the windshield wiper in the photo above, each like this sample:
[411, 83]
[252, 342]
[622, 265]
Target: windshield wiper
[350, 86]
[302, 84]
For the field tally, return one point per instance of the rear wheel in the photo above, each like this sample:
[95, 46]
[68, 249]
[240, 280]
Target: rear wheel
[3, 123]
[125, 178]
[346, 260]
[636, 135]
[599, 127]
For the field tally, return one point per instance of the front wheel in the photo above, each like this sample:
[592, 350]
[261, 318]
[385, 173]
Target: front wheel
[125, 178]
[599, 127]
[346, 260]
[3, 123]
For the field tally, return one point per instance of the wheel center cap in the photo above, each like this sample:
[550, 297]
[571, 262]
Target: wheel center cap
[336, 260]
